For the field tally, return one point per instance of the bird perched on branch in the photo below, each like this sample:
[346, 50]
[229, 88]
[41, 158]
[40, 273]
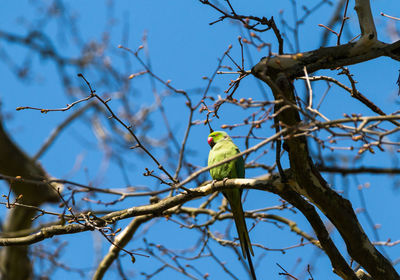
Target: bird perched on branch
[222, 147]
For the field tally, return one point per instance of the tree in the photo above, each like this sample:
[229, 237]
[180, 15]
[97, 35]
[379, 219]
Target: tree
[306, 144]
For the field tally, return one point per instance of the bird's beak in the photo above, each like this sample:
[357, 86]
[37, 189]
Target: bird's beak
[210, 141]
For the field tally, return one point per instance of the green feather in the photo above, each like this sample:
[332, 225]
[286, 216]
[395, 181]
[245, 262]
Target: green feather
[224, 148]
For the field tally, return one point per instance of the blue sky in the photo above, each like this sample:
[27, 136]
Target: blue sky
[183, 48]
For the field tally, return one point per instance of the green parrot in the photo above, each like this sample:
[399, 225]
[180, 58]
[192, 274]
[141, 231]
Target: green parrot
[222, 147]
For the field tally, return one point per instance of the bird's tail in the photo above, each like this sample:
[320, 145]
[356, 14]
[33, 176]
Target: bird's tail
[238, 215]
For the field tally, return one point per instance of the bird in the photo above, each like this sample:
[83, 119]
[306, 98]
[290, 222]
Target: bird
[222, 147]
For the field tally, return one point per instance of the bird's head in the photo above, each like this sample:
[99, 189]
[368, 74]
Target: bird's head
[216, 136]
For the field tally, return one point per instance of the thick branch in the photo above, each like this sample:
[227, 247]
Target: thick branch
[314, 187]
[365, 19]
[278, 73]
[271, 183]
[14, 262]
[339, 264]
[326, 58]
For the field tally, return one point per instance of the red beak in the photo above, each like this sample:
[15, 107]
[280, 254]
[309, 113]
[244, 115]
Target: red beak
[210, 141]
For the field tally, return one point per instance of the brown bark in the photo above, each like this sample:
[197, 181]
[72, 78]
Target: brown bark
[313, 186]
[14, 261]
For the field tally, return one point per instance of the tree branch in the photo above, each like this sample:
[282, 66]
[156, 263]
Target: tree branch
[314, 187]
[121, 240]
[14, 162]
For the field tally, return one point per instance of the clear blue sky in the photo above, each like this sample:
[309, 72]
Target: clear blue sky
[184, 48]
